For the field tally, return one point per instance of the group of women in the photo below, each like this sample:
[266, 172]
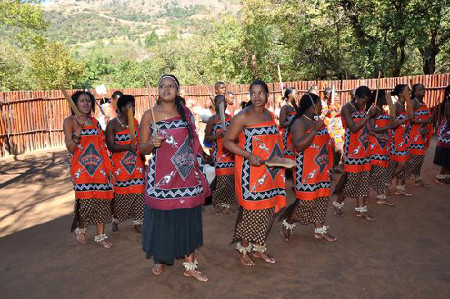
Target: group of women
[165, 198]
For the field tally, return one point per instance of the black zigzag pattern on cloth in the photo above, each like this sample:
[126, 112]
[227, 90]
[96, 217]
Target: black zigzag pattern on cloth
[225, 165]
[124, 137]
[89, 132]
[92, 187]
[128, 183]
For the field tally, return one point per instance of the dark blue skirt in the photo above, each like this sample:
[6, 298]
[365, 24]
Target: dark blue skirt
[442, 157]
[170, 234]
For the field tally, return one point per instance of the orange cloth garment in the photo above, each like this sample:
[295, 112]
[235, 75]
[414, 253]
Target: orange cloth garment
[128, 167]
[223, 159]
[356, 146]
[380, 143]
[401, 140]
[260, 187]
[312, 177]
[421, 134]
[90, 165]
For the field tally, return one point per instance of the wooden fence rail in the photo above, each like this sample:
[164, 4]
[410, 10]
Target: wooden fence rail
[32, 120]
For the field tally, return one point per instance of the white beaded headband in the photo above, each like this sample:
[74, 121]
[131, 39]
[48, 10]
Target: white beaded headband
[168, 76]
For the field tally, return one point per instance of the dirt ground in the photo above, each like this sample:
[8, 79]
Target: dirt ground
[405, 253]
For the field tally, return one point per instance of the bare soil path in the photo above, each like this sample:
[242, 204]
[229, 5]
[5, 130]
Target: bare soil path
[405, 253]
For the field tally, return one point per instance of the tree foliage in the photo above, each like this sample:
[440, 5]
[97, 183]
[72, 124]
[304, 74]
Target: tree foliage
[309, 39]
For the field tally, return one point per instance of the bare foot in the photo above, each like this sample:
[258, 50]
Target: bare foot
[385, 202]
[196, 274]
[246, 260]
[338, 212]
[264, 256]
[402, 192]
[326, 237]
[218, 210]
[285, 233]
[82, 238]
[115, 227]
[440, 181]
[365, 215]
[227, 211]
[421, 183]
[105, 244]
[159, 269]
[138, 228]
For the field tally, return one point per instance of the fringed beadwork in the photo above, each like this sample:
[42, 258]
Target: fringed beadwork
[361, 209]
[321, 230]
[100, 238]
[242, 249]
[288, 226]
[189, 266]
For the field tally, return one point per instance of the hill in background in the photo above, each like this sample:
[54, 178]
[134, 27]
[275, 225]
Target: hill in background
[85, 23]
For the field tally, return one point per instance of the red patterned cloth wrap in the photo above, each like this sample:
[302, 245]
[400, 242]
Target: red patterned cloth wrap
[174, 177]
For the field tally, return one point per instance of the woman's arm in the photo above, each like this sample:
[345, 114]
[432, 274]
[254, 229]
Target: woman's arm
[355, 127]
[284, 117]
[300, 138]
[71, 141]
[229, 140]
[147, 142]
[209, 136]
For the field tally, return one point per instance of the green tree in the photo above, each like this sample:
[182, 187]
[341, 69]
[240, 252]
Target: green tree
[151, 39]
[53, 66]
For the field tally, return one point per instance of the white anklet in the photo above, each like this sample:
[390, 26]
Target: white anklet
[288, 226]
[321, 230]
[361, 209]
[259, 248]
[401, 187]
[189, 266]
[79, 231]
[242, 249]
[381, 196]
[138, 222]
[100, 238]
[338, 205]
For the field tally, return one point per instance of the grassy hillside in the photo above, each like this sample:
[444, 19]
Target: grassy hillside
[84, 23]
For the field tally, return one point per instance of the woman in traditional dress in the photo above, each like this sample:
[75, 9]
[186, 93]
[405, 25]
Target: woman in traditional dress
[331, 111]
[314, 159]
[380, 138]
[175, 187]
[287, 114]
[356, 153]
[401, 140]
[260, 190]
[90, 169]
[128, 166]
[442, 153]
[224, 195]
[421, 134]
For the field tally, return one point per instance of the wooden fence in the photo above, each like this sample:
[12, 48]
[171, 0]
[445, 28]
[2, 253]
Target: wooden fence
[32, 120]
